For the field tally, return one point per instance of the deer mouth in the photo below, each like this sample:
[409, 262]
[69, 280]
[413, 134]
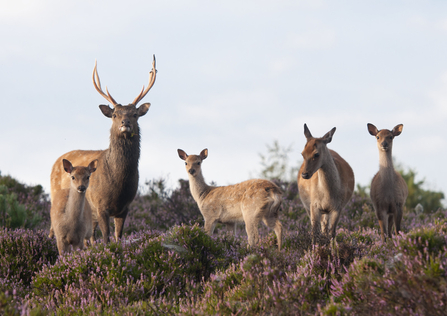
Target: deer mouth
[125, 129]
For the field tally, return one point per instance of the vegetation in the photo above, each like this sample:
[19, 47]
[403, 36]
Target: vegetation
[166, 264]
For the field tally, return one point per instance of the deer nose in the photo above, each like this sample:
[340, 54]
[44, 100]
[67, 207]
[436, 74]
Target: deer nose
[82, 188]
[125, 122]
[305, 175]
[191, 171]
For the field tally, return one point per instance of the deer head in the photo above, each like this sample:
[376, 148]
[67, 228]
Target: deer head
[124, 117]
[384, 136]
[315, 151]
[193, 163]
[80, 176]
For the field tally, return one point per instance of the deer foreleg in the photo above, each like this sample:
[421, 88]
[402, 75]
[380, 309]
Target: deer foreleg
[119, 223]
[334, 216]
[103, 221]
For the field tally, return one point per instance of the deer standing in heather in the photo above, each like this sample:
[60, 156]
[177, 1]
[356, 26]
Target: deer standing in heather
[115, 183]
[71, 215]
[388, 189]
[325, 183]
[249, 201]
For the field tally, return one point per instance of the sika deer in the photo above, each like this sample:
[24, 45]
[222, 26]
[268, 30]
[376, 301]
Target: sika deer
[115, 183]
[388, 189]
[249, 201]
[325, 183]
[71, 215]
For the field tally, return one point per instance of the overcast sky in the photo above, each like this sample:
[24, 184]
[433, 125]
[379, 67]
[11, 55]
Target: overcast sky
[233, 76]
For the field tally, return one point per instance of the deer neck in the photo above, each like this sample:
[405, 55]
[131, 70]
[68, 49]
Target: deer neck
[328, 175]
[123, 155]
[386, 166]
[199, 189]
[75, 205]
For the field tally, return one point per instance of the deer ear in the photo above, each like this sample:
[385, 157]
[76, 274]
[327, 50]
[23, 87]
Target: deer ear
[307, 131]
[204, 154]
[372, 129]
[182, 154]
[93, 165]
[397, 130]
[327, 138]
[106, 110]
[68, 167]
[142, 109]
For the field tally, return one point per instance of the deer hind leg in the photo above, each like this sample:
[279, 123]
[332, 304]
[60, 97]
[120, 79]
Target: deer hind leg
[232, 227]
[275, 224]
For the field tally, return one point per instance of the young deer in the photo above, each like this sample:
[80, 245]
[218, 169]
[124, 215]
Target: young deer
[325, 183]
[71, 214]
[249, 201]
[388, 189]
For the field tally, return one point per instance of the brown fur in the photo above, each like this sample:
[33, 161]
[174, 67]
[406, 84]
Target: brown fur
[388, 189]
[325, 183]
[115, 183]
[71, 214]
[247, 202]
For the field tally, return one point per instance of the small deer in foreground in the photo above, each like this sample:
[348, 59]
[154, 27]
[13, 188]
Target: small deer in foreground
[71, 214]
[249, 201]
[388, 189]
[325, 183]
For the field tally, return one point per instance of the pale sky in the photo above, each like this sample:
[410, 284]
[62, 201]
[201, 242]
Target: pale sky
[233, 76]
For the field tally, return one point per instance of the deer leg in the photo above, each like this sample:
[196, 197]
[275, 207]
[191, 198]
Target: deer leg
[103, 221]
[232, 227]
[51, 235]
[383, 223]
[315, 220]
[275, 224]
[92, 238]
[119, 223]
[210, 224]
[390, 225]
[251, 219]
[334, 216]
[398, 218]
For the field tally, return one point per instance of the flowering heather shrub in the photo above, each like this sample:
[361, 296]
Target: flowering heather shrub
[153, 266]
[162, 209]
[22, 254]
[166, 264]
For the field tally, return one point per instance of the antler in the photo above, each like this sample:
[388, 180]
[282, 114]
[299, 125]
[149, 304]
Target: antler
[143, 92]
[97, 84]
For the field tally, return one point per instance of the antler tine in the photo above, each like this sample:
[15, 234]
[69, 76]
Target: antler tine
[143, 92]
[97, 84]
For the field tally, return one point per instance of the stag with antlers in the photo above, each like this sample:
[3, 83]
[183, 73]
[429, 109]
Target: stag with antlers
[114, 184]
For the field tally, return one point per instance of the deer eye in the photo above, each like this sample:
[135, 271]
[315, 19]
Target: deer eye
[377, 137]
[198, 163]
[135, 115]
[72, 177]
[186, 163]
[316, 155]
[88, 177]
[114, 115]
